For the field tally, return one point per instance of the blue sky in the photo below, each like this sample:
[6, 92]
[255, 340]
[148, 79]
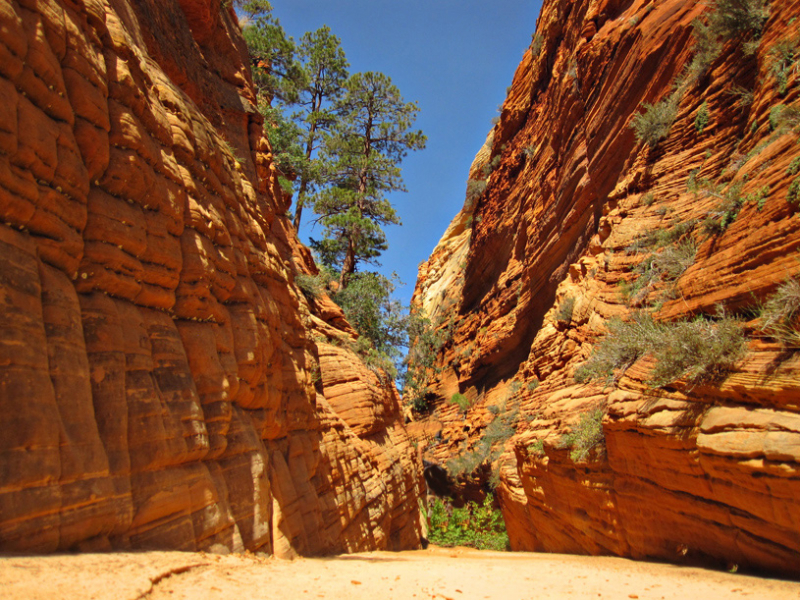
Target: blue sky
[455, 58]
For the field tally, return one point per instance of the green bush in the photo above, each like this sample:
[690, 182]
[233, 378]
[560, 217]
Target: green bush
[731, 203]
[500, 429]
[624, 344]
[537, 41]
[475, 188]
[536, 448]
[698, 185]
[489, 167]
[312, 286]
[666, 263]
[672, 261]
[784, 118]
[779, 314]
[653, 124]
[775, 116]
[467, 462]
[726, 211]
[585, 436]
[378, 362]
[497, 432]
[793, 194]
[759, 197]
[565, 310]
[379, 319]
[495, 478]
[696, 350]
[368, 306]
[727, 19]
[475, 525]
[662, 236]
[461, 401]
[646, 275]
[425, 340]
[713, 225]
[733, 17]
[785, 59]
[744, 97]
[701, 120]
[706, 49]
[692, 350]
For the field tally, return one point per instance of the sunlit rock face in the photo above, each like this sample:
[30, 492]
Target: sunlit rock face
[530, 273]
[161, 385]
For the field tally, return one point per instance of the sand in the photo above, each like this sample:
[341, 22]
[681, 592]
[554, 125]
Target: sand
[435, 573]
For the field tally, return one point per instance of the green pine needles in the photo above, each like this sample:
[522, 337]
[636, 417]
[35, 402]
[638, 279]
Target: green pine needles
[338, 140]
[362, 155]
[339, 137]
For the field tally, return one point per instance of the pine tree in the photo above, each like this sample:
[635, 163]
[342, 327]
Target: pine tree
[297, 84]
[276, 73]
[277, 76]
[363, 152]
[324, 72]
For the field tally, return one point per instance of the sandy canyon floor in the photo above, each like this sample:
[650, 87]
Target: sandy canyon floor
[435, 573]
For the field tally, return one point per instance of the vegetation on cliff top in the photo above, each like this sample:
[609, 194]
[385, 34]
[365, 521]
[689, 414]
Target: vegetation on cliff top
[340, 137]
[339, 140]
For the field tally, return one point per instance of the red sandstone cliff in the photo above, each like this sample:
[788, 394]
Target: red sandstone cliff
[160, 382]
[528, 276]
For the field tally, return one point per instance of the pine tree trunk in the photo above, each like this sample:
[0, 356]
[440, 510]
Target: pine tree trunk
[298, 209]
[349, 266]
[312, 134]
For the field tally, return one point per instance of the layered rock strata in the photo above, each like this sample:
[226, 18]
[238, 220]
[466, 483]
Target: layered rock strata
[708, 470]
[160, 385]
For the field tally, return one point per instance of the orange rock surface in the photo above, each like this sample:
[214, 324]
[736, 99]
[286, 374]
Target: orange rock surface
[159, 380]
[687, 471]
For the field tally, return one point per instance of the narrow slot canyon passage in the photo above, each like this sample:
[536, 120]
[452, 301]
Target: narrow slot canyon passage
[463, 516]
[598, 361]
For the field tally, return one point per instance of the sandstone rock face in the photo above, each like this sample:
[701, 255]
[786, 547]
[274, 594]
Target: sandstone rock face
[159, 380]
[687, 471]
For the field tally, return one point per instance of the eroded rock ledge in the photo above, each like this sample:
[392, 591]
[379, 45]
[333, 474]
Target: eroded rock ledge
[688, 471]
[160, 382]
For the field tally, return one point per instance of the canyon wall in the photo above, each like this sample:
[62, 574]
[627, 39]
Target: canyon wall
[576, 214]
[163, 381]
